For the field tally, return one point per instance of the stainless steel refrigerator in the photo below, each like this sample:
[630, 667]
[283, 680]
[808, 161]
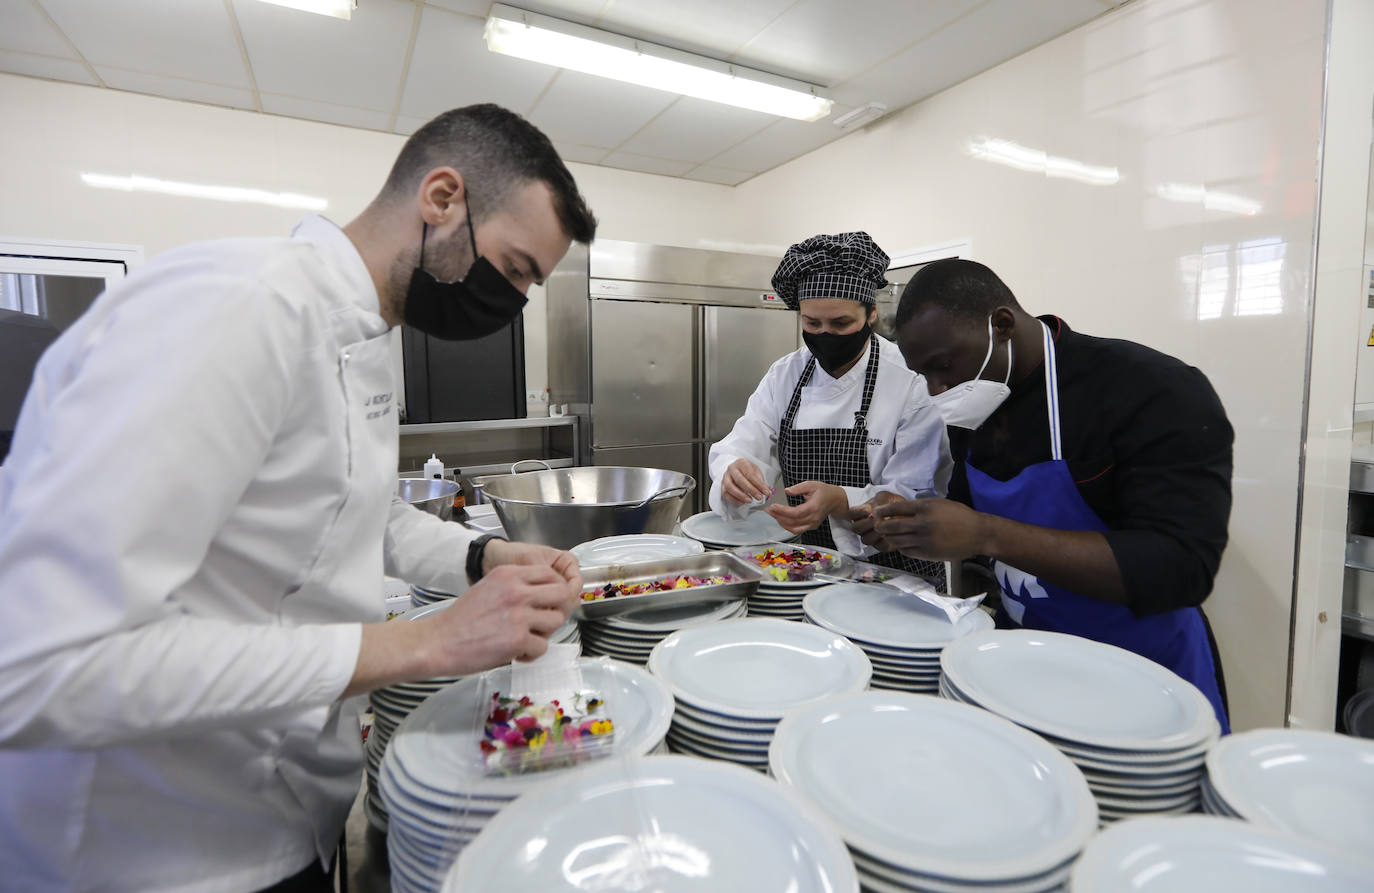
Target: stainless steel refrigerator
[661, 347]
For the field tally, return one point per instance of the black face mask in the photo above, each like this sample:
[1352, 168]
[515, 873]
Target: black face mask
[482, 302]
[833, 351]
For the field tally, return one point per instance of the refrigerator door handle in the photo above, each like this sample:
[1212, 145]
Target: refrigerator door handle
[708, 321]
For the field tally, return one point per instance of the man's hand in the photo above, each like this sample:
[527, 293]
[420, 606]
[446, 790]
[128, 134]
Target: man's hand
[821, 501]
[500, 552]
[743, 483]
[931, 528]
[862, 520]
[508, 615]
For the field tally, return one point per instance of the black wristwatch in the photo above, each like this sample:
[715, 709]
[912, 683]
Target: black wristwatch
[476, 549]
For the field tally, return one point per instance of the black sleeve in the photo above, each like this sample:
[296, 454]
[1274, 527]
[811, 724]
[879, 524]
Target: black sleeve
[1173, 488]
[958, 479]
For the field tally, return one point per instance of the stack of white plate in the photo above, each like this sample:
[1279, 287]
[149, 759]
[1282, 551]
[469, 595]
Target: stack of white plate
[667, 824]
[718, 534]
[632, 636]
[391, 705]
[1317, 785]
[1139, 732]
[420, 596]
[935, 796]
[437, 791]
[775, 598]
[733, 682]
[1199, 854]
[902, 635]
[612, 550]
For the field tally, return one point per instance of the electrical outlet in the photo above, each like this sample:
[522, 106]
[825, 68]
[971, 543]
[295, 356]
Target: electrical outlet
[531, 396]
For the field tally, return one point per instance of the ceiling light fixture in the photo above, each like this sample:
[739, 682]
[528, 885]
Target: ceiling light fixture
[135, 183]
[1209, 198]
[339, 9]
[539, 38]
[860, 116]
[1037, 161]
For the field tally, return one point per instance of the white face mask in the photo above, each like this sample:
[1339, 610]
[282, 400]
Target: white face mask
[968, 405]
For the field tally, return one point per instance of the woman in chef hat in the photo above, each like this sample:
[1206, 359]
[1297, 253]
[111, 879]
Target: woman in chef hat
[840, 419]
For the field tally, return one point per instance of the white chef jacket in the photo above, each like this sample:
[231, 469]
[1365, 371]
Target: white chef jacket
[908, 450]
[194, 517]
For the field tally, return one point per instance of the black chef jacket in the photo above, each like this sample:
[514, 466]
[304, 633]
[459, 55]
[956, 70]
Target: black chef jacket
[1149, 445]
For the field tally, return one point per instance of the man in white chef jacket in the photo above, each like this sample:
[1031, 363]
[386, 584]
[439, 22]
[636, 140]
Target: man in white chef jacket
[197, 511]
[839, 420]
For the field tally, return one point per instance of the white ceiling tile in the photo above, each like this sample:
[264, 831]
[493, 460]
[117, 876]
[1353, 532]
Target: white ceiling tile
[45, 67]
[24, 28]
[784, 140]
[329, 113]
[175, 88]
[696, 130]
[452, 67]
[584, 154]
[358, 62]
[405, 124]
[188, 39]
[632, 162]
[584, 11]
[824, 42]
[715, 28]
[987, 37]
[725, 176]
[620, 109]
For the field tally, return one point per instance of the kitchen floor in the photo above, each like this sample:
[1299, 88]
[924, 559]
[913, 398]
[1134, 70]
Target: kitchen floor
[365, 853]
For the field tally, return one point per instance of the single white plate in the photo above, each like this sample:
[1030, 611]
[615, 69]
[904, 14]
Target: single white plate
[758, 667]
[1201, 854]
[662, 823]
[882, 615]
[438, 742]
[756, 527]
[923, 783]
[1318, 785]
[612, 550]
[1075, 688]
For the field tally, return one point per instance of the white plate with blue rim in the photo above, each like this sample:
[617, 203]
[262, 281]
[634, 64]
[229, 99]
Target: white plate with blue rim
[714, 826]
[923, 784]
[1079, 690]
[1317, 785]
[627, 549]
[1201, 854]
[755, 527]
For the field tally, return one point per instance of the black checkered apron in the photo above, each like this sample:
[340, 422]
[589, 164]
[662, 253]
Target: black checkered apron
[839, 456]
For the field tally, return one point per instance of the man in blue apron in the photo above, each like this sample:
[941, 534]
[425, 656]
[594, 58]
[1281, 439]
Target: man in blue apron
[1098, 472]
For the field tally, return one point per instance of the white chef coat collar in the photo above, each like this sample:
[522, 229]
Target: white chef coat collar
[331, 239]
[851, 378]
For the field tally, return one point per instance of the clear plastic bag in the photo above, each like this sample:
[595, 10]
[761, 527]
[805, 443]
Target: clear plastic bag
[549, 718]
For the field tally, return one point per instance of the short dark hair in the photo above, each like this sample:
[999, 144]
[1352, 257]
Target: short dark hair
[496, 150]
[962, 288]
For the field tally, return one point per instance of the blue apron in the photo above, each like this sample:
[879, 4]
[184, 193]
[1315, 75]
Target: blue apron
[1045, 495]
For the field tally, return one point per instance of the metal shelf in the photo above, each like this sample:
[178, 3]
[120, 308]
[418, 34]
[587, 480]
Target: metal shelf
[490, 425]
[1357, 626]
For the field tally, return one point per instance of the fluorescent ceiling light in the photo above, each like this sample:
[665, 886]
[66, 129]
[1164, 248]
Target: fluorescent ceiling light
[1025, 158]
[538, 38]
[860, 116]
[1209, 198]
[339, 9]
[135, 183]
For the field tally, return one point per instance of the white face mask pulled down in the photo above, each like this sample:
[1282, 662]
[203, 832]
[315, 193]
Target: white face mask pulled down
[968, 405]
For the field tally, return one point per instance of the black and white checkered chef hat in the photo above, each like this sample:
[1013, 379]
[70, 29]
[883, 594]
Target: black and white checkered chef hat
[845, 265]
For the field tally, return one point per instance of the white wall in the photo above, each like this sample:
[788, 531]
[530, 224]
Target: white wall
[54, 132]
[1196, 92]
